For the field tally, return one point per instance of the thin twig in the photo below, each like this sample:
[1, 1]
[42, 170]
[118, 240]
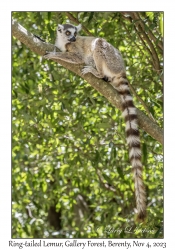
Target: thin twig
[106, 185]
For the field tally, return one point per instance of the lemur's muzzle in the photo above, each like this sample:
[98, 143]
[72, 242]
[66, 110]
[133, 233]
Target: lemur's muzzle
[72, 39]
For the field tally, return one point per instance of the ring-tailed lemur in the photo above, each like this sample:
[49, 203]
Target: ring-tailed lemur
[104, 61]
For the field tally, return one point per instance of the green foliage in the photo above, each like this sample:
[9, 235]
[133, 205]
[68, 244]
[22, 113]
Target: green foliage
[71, 175]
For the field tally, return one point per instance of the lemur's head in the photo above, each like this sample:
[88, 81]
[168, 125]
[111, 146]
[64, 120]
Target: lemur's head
[68, 32]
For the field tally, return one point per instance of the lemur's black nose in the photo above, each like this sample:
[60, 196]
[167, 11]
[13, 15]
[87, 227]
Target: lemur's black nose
[72, 39]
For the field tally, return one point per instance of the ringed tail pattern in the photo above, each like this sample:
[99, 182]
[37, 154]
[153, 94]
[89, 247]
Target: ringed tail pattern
[129, 113]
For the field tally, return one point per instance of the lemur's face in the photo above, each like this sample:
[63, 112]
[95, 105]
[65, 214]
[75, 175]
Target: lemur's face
[67, 32]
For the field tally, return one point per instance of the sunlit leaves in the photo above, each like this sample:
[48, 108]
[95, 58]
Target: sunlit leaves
[150, 15]
[161, 23]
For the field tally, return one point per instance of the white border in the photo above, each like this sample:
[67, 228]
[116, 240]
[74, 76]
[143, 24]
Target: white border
[5, 96]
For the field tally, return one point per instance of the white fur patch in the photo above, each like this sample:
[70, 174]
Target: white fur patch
[136, 152]
[132, 139]
[132, 124]
[128, 98]
[107, 72]
[79, 27]
[136, 163]
[122, 87]
[129, 111]
[93, 44]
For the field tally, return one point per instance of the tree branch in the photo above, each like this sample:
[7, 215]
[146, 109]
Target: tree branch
[140, 25]
[40, 48]
[140, 30]
[106, 185]
[156, 41]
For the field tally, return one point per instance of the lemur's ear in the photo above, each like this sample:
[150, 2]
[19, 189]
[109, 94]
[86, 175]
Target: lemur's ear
[60, 27]
[79, 27]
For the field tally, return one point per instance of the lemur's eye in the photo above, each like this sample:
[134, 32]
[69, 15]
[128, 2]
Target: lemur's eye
[67, 33]
[75, 33]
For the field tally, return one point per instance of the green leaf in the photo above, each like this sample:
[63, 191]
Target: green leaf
[119, 170]
[107, 178]
[90, 17]
[145, 154]
[150, 15]
[161, 24]
[49, 15]
[44, 186]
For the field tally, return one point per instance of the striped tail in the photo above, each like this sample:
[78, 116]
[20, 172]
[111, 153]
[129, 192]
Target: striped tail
[120, 83]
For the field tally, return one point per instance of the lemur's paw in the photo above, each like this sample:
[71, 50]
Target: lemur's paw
[49, 55]
[86, 69]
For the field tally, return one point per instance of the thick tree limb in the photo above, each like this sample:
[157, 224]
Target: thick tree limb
[40, 48]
